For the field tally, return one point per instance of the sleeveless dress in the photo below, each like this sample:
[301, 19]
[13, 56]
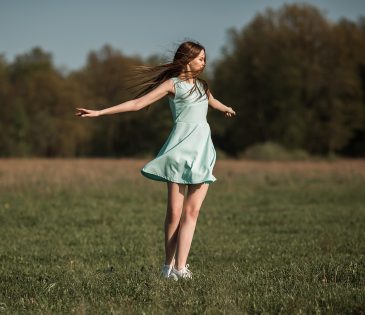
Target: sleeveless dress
[188, 155]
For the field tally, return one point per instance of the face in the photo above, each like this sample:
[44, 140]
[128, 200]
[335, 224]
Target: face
[198, 63]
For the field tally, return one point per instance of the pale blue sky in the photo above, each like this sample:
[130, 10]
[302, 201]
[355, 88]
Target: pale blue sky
[70, 29]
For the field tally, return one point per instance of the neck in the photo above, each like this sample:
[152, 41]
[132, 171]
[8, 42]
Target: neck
[187, 77]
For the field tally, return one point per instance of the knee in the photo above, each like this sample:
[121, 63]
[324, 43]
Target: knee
[173, 214]
[192, 212]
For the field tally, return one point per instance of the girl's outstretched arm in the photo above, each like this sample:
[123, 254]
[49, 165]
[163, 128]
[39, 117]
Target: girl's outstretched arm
[228, 111]
[132, 105]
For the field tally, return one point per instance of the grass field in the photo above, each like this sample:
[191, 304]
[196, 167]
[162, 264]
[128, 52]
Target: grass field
[86, 237]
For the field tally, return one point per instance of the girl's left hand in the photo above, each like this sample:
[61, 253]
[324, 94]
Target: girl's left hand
[229, 112]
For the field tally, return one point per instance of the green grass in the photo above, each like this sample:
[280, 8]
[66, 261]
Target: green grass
[87, 238]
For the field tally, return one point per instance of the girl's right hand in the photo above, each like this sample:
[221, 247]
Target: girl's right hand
[82, 112]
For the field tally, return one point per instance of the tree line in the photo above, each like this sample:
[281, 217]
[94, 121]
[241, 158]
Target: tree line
[293, 77]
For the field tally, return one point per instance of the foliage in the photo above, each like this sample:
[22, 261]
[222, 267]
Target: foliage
[294, 78]
[36, 109]
[105, 82]
[273, 151]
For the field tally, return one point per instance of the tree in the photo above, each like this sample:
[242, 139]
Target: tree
[292, 77]
[105, 79]
[38, 107]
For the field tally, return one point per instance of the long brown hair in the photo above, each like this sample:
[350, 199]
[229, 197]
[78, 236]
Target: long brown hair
[146, 78]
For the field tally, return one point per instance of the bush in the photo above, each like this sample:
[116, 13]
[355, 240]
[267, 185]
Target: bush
[273, 151]
[221, 154]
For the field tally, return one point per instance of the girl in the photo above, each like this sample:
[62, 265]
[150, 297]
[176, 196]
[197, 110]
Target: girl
[188, 156]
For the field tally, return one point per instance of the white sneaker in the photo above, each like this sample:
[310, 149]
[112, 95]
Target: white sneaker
[183, 273]
[165, 271]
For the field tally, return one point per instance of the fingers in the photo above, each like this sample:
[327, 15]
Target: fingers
[79, 114]
[82, 112]
[79, 111]
[230, 112]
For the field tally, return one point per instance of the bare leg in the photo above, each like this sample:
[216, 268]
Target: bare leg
[194, 200]
[175, 202]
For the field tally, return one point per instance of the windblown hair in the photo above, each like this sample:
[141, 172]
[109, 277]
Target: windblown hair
[147, 78]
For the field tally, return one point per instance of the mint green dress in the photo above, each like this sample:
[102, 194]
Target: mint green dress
[188, 155]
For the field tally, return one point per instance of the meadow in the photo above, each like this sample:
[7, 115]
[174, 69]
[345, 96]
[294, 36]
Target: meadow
[85, 236]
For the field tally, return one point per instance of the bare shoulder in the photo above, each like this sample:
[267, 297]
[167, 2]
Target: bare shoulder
[157, 93]
[169, 85]
[165, 87]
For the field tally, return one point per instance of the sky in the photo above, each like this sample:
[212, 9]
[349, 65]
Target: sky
[69, 30]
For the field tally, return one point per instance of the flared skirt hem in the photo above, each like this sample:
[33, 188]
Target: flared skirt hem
[164, 178]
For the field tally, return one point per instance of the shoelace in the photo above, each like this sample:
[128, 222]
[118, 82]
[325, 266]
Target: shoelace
[186, 271]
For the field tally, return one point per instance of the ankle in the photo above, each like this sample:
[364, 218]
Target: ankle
[178, 268]
[170, 262]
